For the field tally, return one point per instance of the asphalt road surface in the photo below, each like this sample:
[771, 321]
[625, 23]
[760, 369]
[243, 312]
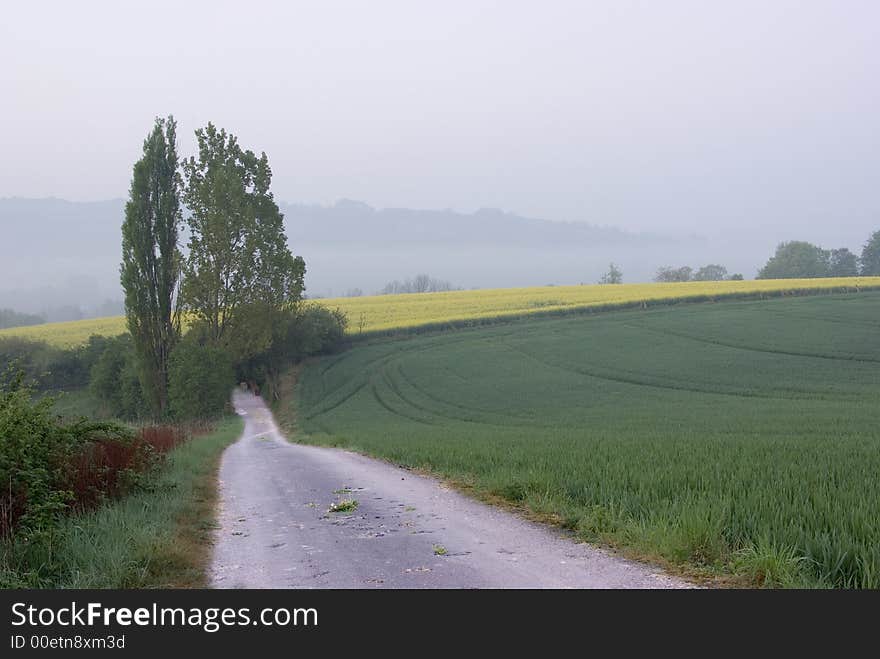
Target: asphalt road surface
[407, 531]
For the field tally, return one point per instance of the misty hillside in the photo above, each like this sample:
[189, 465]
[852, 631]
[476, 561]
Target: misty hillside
[90, 230]
[66, 254]
[355, 222]
[57, 228]
[64, 260]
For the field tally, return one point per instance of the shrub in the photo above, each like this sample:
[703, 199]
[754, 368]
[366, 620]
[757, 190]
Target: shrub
[108, 466]
[39, 457]
[313, 330]
[296, 334]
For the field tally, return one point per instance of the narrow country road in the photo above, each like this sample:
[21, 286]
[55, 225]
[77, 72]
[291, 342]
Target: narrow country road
[408, 531]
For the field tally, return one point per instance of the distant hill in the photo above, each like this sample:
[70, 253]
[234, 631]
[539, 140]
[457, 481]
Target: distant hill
[58, 228]
[61, 258]
[355, 222]
[55, 227]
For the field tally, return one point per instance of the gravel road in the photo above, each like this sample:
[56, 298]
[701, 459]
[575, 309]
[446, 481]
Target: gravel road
[407, 531]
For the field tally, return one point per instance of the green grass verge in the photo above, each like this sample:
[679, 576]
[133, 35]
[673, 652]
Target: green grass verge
[738, 440]
[157, 537]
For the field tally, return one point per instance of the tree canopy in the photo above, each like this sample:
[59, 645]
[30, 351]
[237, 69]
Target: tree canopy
[796, 260]
[870, 260]
[239, 260]
[711, 272]
[613, 276]
[670, 274]
[842, 263]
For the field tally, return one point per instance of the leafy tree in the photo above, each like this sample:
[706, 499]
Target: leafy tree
[842, 263]
[239, 260]
[116, 382]
[711, 272]
[200, 379]
[150, 269]
[871, 256]
[669, 274]
[796, 260]
[736, 277]
[613, 276]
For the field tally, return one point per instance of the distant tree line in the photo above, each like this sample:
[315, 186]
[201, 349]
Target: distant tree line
[710, 272]
[418, 284]
[49, 368]
[54, 313]
[802, 260]
[10, 318]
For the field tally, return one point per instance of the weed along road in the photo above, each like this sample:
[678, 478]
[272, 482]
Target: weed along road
[288, 519]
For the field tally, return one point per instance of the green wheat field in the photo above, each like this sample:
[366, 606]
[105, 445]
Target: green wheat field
[738, 438]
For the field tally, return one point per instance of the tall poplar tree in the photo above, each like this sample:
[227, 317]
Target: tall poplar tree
[151, 260]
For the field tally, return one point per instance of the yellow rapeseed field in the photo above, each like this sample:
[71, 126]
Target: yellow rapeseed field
[388, 312]
[71, 333]
[378, 313]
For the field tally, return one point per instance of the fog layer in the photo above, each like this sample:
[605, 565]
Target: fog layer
[680, 116]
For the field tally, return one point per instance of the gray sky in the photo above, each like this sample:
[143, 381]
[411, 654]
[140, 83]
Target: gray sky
[710, 117]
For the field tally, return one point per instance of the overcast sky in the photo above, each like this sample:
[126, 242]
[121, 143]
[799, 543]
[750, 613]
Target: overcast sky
[710, 117]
